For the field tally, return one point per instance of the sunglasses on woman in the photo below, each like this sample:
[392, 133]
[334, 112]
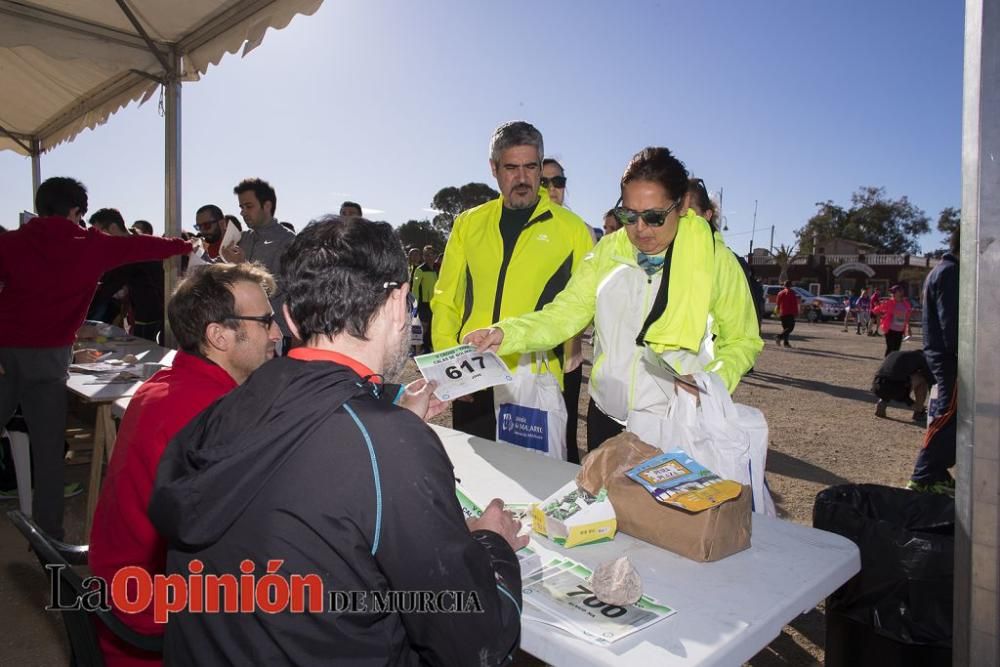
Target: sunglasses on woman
[555, 182]
[653, 217]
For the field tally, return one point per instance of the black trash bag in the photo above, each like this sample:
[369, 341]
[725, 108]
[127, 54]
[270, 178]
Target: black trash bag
[907, 542]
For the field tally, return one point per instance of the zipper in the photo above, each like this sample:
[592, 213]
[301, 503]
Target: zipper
[638, 350]
[505, 263]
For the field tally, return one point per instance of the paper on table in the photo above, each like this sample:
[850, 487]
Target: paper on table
[563, 592]
[462, 370]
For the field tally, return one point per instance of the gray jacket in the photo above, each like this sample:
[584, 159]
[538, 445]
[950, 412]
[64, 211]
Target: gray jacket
[265, 245]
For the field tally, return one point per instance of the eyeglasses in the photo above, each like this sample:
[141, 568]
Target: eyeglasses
[207, 225]
[266, 320]
[653, 217]
[410, 299]
[555, 182]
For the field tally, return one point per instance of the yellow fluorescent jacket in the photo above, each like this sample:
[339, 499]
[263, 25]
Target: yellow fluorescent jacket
[707, 295]
[477, 287]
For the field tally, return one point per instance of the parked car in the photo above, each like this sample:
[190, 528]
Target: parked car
[839, 298]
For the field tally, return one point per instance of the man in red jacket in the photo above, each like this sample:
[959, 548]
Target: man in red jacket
[49, 270]
[225, 329]
[787, 305]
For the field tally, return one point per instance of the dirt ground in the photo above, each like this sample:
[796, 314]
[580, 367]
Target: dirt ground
[823, 431]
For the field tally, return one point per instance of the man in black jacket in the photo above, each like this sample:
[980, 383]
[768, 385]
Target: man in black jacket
[940, 331]
[309, 469]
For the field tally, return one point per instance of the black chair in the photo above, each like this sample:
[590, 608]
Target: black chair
[80, 623]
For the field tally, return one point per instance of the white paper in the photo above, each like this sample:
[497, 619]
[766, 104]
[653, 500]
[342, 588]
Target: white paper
[462, 370]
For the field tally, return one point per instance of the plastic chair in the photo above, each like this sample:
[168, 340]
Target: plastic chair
[80, 623]
[16, 433]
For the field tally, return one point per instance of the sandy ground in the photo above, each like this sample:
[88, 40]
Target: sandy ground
[823, 432]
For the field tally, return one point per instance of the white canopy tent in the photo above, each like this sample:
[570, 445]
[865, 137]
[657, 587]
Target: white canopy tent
[68, 65]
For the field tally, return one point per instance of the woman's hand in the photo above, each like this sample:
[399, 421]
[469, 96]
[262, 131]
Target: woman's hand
[485, 340]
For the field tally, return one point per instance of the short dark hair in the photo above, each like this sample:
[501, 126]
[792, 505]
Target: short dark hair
[699, 195]
[787, 284]
[515, 133]
[338, 272]
[206, 296]
[211, 208]
[60, 195]
[658, 165]
[351, 204]
[108, 217]
[144, 225]
[233, 220]
[261, 189]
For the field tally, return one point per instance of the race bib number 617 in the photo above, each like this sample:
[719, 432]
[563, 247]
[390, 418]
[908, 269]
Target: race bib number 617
[462, 370]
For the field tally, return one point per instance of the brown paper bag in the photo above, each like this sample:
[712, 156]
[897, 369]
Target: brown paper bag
[704, 536]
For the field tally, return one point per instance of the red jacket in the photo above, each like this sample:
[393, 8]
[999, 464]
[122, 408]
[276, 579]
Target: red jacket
[122, 533]
[787, 303]
[49, 270]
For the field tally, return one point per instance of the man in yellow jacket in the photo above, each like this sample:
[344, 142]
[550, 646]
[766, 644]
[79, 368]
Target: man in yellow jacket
[505, 258]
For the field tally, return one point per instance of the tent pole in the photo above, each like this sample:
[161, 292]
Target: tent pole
[36, 169]
[172, 181]
[976, 635]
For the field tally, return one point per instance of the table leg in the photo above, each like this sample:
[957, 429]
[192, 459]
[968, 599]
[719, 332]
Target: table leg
[104, 441]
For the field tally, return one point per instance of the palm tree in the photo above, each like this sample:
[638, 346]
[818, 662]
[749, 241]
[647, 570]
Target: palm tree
[783, 257]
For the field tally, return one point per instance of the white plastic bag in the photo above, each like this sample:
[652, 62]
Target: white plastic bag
[727, 438]
[530, 410]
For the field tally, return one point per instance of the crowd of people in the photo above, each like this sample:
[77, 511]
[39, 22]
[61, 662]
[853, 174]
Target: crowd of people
[278, 434]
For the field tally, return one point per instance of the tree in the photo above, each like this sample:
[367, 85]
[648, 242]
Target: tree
[418, 233]
[783, 257]
[890, 226]
[451, 201]
[948, 224]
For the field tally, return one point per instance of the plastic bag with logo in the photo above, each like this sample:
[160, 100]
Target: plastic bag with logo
[530, 410]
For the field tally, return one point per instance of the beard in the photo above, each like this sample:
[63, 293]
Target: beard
[397, 358]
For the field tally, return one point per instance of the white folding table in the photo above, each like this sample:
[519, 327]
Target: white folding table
[103, 394]
[727, 611]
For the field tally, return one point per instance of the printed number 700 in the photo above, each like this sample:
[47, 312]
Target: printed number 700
[609, 610]
[455, 372]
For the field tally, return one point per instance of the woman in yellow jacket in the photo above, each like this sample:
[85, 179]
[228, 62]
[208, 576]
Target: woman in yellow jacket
[701, 318]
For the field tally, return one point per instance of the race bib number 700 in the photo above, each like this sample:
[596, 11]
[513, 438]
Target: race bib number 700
[462, 370]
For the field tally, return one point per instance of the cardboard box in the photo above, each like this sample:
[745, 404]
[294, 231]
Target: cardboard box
[704, 536]
[572, 516]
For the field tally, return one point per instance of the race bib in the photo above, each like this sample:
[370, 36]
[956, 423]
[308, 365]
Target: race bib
[462, 370]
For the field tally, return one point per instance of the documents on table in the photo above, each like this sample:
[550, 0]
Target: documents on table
[462, 370]
[556, 591]
[559, 594]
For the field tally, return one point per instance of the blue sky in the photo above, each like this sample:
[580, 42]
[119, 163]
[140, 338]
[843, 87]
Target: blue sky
[384, 102]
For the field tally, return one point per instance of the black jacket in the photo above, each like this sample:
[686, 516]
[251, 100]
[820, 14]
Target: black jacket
[939, 322]
[305, 465]
[899, 366]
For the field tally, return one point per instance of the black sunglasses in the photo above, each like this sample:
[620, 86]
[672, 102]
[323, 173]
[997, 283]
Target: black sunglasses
[207, 225]
[555, 182]
[653, 217]
[266, 320]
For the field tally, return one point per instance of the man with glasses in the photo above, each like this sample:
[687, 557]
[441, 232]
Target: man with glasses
[49, 270]
[225, 330]
[507, 257]
[310, 464]
[211, 225]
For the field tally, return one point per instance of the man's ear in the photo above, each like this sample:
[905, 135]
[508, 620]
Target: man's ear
[292, 326]
[493, 167]
[218, 337]
[268, 207]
